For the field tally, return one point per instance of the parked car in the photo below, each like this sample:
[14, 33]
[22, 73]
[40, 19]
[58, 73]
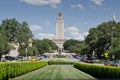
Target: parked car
[33, 59]
[107, 63]
[115, 63]
[11, 58]
[89, 61]
[112, 63]
[42, 57]
[20, 58]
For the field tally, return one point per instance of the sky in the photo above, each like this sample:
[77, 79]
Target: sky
[79, 15]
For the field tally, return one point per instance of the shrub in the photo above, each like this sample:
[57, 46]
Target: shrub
[11, 70]
[99, 71]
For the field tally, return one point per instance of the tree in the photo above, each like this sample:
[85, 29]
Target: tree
[100, 38]
[32, 51]
[11, 27]
[52, 45]
[92, 39]
[4, 44]
[69, 43]
[85, 49]
[16, 32]
[116, 48]
[22, 50]
[79, 46]
[24, 35]
[74, 46]
[44, 45]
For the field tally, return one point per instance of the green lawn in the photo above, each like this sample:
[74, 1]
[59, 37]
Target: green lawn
[55, 72]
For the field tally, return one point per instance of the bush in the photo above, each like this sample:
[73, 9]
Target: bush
[59, 62]
[11, 70]
[99, 71]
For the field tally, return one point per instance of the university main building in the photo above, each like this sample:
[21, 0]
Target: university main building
[59, 31]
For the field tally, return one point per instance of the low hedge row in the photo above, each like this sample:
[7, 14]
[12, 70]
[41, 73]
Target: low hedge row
[99, 71]
[59, 62]
[11, 70]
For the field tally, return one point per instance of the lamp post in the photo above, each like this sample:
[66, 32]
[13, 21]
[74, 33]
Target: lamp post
[26, 52]
[112, 42]
[114, 20]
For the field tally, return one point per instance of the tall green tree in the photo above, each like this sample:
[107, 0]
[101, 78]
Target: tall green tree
[44, 45]
[74, 46]
[69, 43]
[24, 35]
[100, 38]
[32, 51]
[10, 26]
[16, 32]
[92, 38]
[116, 48]
[52, 45]
[4, 44]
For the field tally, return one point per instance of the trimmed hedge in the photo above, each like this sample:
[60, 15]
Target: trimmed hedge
[11, 70]
[99, 71]
[59, 62]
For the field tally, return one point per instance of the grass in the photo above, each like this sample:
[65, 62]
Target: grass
[60, 59]
[55, 72]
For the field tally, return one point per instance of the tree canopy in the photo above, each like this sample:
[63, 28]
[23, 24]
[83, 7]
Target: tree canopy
[102, 37]
[4, 44]
[45, 45]
[16, 32]
[74, 46]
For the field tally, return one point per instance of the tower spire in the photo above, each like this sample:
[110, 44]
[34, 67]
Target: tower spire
[59, 14]
[114, 17]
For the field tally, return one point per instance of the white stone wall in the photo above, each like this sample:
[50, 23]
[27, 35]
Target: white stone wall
[14, 52]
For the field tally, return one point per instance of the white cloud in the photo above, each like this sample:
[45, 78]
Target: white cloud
[52, 3]
[80, 6]
[44, 36]
[81, 36]
[97, 2]
[85, 23]
[72, 29]
[92, 7]
[75, 33]
[48, 23]
[35, 27]
[85, 34]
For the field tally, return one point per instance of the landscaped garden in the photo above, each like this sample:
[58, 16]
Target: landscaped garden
[55, 72]
[58, 69]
